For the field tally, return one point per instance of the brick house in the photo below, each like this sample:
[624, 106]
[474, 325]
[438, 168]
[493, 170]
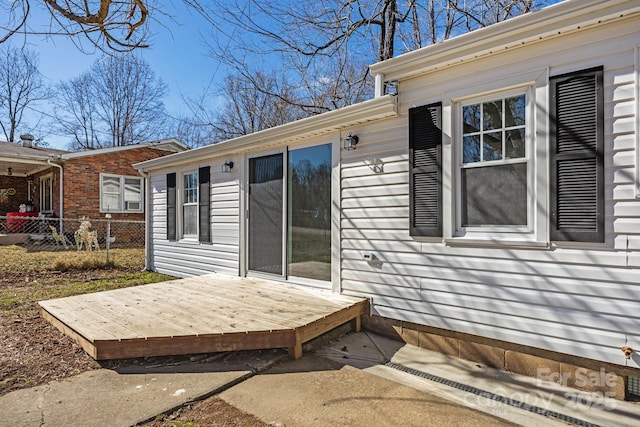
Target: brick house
[91, 183]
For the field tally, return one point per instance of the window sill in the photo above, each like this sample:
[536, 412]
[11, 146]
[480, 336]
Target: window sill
[506, 241]
[121, 212]
[190, 240]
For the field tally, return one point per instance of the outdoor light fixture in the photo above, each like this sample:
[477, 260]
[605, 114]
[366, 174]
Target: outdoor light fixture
[226, 167]
[350, 142]
[9, 171]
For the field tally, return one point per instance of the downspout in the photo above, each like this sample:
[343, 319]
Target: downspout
[147, 219]
[379, 85]
[61, 206]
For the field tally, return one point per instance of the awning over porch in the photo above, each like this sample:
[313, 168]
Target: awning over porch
[202, 314]
[19, 160]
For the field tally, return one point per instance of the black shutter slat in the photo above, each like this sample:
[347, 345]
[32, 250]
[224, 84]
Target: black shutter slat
[425, 165]
[204, 204]
[171, 206]
[577, 161]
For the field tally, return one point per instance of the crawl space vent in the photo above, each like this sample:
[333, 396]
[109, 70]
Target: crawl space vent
[633, 386]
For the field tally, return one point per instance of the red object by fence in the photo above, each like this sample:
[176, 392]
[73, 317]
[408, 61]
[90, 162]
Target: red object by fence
[16, 221]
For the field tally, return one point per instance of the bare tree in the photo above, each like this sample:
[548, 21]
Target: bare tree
[192, 132]
[120, 25]
[118, 102]
[76, 112]
[248, 110]
[324, 47]
[240, 110]
[21, 87]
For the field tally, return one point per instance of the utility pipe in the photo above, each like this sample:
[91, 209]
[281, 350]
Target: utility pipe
[61, 206]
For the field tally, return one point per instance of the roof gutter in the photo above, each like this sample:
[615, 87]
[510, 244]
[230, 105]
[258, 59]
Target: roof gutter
[363, 112]
[570, 15]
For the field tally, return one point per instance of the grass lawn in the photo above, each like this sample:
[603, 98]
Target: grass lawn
[34, 352]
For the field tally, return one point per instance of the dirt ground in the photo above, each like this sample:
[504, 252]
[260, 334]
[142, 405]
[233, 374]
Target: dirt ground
[33, 352]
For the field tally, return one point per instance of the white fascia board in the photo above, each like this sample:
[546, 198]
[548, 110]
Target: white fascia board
[17, 158]
[568, 16]
[363, 112]
[170, 144]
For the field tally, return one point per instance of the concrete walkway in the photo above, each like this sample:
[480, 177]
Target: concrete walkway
[360, 379]
[124, 397]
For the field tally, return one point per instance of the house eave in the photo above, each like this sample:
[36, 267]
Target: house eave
[171, 144]
[555, 20]
[366, 111]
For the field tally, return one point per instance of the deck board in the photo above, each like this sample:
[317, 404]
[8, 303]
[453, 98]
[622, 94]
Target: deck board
[199, 315]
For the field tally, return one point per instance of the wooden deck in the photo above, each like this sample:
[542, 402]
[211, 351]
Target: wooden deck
[200, 315]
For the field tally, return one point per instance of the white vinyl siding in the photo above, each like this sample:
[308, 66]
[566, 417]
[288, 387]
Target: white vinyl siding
[186, 258]
[575, 298]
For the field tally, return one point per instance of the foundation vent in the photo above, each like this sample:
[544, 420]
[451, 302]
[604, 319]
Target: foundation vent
[633, 387]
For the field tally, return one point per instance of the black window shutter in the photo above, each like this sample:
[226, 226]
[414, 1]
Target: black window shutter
[171, 206]
[577, 156]
[204, 204]
[425, 170]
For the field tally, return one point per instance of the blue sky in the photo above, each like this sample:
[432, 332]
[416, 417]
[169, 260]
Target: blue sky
[177, 54]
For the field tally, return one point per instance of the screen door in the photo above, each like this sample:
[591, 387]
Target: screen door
[266, 214]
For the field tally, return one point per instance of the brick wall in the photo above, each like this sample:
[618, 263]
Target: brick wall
[11, 203]
[82, 180]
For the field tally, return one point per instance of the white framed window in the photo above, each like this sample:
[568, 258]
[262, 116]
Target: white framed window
[497, 187]
[120, 193]
[494, 186]
[46, 193]
[190, 204]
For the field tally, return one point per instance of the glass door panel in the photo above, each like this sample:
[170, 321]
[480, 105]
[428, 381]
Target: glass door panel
[266, 214]
[309, 213]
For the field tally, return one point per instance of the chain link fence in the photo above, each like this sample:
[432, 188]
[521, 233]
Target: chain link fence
[37, 244]
[62, 234]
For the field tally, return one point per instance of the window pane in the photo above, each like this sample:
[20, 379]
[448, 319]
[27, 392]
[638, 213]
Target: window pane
[191, 188]
[515, 111]
[492, 115]
[132, 190]
[309, 249]
[190, 220]
[46, 195]
[110, 202]
[190, 204]
[492, 147]
[515, 143]
[110, 194]
[471, 149]
[471, 118]
[111, 184]
[494, 195]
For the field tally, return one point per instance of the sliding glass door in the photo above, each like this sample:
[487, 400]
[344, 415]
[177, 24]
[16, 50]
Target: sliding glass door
[307, 240]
